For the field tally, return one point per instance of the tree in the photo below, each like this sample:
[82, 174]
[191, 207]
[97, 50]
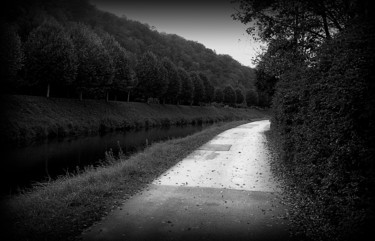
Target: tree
[229, 96]
[123, 74]
[308, 23]
[209, 89]
[239, 96]
[95, 65]
[152, 79]
[265, 84]
[199, 93]
[219, 96]
[174, 82]
[320, 55]
[251, 97]
[187, 87]
[161, 82]
[50, 56]
[11, 56]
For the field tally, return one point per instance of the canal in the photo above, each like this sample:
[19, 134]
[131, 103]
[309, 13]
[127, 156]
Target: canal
[46, 161]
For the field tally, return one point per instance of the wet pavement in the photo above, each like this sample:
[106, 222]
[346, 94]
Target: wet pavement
[222, 191]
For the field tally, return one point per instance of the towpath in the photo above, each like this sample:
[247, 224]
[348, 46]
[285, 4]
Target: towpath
[222, 191]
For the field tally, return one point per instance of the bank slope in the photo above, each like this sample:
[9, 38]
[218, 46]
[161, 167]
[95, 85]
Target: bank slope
[29, 118]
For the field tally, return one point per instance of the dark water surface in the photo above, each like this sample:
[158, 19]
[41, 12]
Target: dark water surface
[39, 162]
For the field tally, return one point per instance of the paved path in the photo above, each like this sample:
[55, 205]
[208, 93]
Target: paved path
[222, 191]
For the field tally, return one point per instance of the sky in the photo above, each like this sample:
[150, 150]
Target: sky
[208, 22]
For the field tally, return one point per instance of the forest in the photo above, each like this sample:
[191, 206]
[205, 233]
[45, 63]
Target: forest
[318, 75]
[70, 49]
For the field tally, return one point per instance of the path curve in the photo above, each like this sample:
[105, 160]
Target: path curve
[222, 191]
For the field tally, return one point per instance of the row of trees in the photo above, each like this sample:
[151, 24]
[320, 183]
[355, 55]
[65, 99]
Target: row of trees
[135, 37]
[73, 56]
[76, 58]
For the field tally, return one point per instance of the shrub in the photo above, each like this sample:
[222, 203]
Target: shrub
[325, 116]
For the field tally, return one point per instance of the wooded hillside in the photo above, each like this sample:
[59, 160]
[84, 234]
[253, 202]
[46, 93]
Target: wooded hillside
[42, 33]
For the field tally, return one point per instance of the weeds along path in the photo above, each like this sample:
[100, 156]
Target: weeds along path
[222, 191]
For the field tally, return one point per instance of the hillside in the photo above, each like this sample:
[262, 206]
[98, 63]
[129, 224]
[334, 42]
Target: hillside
[135, 37]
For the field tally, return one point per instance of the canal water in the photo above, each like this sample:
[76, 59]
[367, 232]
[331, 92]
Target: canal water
[46, 161]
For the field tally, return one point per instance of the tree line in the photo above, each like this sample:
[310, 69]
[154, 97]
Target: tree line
[51, 51]
[83, 60]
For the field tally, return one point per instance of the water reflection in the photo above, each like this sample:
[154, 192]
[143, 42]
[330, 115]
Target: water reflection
[49, 160]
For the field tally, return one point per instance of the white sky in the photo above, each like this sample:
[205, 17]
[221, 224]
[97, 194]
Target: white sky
[207, 22]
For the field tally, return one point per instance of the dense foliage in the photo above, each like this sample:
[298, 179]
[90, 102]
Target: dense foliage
[50, 56]
[105, 55]
[229, 95]
[251, 98]
[11, 57]
[152, 80]
[95, 66]
[123, 73]
[199, 92]
[187, 87]
[209, 89]
[239, 96]
[319, 69]
[326, 117]
[174, 81]
[219, 96]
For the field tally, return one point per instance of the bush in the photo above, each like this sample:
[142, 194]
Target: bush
[325, 116]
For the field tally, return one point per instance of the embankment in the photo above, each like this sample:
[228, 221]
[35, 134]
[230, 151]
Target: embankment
[63, 208]
[30, 118]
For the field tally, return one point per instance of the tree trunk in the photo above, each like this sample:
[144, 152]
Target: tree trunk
[107, 97]
[325, 24]
[115, 97]
[80, 95]
[128, 95]
[48, 89]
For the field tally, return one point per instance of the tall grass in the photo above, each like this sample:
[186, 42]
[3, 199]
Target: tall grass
[63, 208]
[29, 118]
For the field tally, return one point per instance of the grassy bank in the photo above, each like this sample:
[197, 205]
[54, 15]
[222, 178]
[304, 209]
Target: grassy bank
[30, 118]
[62, 209]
